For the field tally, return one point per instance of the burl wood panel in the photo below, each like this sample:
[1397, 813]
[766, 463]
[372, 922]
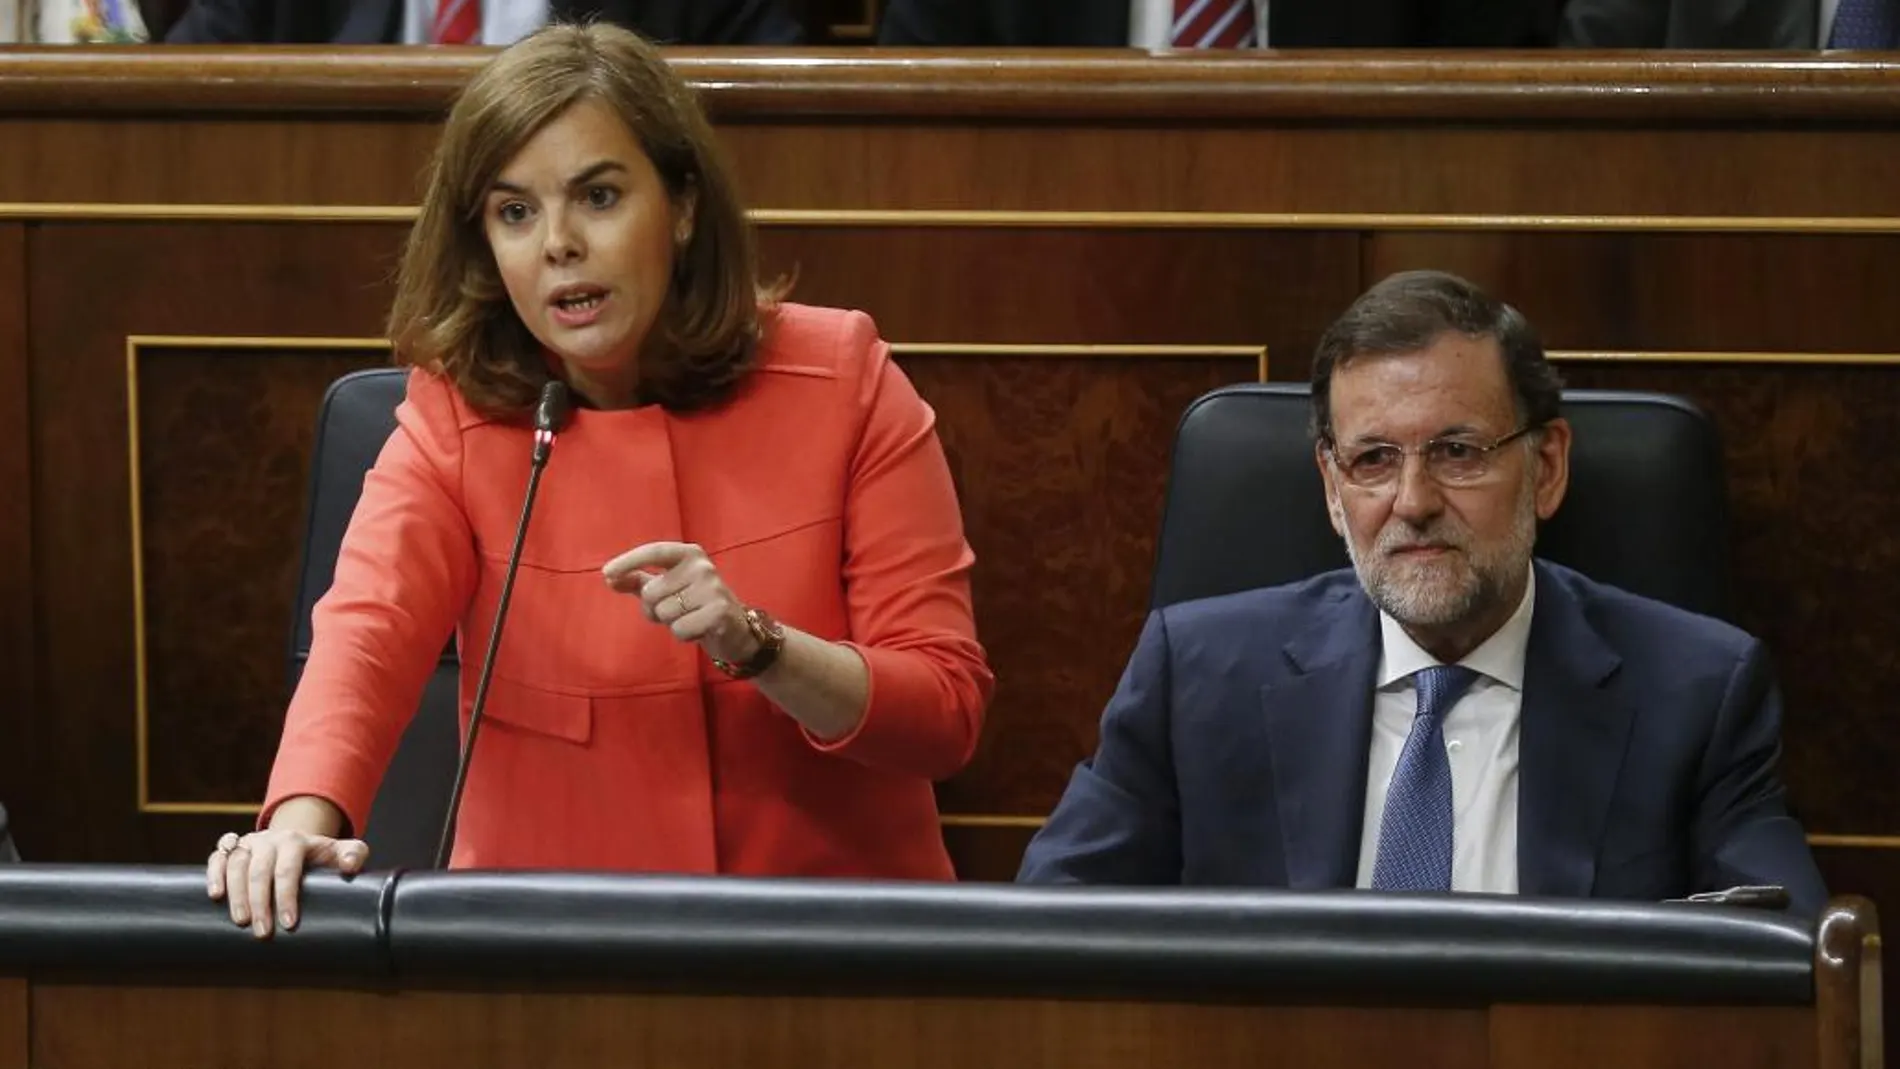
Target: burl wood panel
[1060, 464]
[1189, 286]
[222, 514]
[304, 1029]
[92, 285]
[16, 513]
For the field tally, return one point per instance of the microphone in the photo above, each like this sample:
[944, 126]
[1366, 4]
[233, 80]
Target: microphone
[1751, 896]
[549, 416]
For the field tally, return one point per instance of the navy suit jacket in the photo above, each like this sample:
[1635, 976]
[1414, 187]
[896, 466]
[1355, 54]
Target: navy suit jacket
[1234, 752]
[374, 22]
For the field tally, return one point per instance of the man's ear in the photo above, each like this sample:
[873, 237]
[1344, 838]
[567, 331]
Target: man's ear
[1553, 466]
[1334, 513]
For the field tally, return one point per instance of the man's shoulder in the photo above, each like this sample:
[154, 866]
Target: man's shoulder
[1263, 610]
[1638, 624]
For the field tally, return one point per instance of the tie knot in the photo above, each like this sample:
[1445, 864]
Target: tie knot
[1440, 687]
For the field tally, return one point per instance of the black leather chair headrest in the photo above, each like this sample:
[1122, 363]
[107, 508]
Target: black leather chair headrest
[1647, 509]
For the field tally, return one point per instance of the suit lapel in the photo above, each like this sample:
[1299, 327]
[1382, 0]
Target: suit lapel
[1319, 722]
[1573, 730]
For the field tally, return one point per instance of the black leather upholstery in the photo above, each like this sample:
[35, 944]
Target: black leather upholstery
[159, 918]
[1647, 508]
[527, 929]
[405, 821]
[1006, 938]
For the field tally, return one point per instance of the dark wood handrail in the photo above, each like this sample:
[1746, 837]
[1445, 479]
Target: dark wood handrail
[1019, 84]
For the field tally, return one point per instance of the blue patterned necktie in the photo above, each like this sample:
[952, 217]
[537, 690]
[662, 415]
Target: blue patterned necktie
[1415, 833]
[1865, 24]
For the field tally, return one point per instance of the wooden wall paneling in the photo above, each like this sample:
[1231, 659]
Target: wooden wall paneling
[1060, 465]
[1102, 286]
[995, 166]
[1776, 293]
[1414, 167]
[214, 160]
[18, 705]
[92, 287]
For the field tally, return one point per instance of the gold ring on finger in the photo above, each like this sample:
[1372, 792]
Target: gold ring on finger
[680, 600]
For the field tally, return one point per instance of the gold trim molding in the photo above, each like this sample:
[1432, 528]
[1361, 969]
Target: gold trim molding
[1615, 356]
[1060, 351]
[1004, 219]
[270, 213]
[1215, 220]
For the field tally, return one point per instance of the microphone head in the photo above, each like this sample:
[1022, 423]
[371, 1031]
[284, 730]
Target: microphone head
[551, 413]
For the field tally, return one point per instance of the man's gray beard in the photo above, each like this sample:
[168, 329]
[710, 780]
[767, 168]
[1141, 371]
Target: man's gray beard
[1435, 599]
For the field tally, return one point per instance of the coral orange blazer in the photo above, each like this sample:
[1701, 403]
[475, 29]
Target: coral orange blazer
[821, 493]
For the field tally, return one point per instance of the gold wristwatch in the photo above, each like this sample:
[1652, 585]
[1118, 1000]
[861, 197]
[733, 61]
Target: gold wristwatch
[768, 633]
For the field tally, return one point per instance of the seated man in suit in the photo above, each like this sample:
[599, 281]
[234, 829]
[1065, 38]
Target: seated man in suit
[490, 22]
[1448, 715]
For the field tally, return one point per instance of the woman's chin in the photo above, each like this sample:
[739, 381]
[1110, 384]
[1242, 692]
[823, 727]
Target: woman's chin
[595, 356]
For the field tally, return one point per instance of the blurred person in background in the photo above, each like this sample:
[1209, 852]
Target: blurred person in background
[478, 22]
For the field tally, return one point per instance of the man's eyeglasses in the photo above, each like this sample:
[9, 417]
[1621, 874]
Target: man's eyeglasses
[1458, 460]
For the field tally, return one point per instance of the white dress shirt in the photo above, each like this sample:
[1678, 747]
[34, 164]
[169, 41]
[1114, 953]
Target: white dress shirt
[1151, 23]
[1480, 742]
[503, 21]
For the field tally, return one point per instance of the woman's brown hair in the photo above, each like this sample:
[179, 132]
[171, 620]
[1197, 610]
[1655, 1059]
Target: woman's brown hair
[451, 312]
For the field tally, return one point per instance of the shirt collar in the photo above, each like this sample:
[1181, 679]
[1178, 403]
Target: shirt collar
[1500, 657]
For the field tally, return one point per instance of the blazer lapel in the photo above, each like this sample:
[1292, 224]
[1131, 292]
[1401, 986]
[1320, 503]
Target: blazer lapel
[1319, 722]
[1573, 731]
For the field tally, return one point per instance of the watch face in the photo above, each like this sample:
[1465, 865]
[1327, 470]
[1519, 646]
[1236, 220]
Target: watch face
[764, 627]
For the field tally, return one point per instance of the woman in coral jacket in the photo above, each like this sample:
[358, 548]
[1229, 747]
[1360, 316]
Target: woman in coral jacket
[740, 640]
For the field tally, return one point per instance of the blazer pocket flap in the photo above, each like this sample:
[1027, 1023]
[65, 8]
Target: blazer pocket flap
[536, 709]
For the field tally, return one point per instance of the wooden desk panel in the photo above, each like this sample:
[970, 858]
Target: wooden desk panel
[292, 1028]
